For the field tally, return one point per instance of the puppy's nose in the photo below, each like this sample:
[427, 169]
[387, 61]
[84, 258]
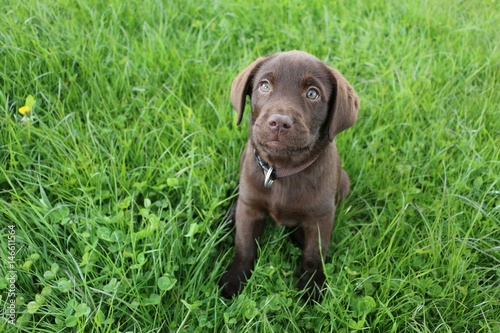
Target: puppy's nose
[280, 123]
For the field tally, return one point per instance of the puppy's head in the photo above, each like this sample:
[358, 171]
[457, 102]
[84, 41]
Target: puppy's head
[298, 105]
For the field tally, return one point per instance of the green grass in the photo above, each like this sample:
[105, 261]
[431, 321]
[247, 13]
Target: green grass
[118, 183]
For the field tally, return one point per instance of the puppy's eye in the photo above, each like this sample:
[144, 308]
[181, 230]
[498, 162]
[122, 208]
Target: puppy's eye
[265, 86]
[312, 93]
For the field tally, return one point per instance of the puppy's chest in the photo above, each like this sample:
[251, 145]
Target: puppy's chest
[291, 207]
[287, 218]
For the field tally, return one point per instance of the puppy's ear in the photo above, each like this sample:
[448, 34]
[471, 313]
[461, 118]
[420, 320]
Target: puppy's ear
[243, 85]
[344, 110]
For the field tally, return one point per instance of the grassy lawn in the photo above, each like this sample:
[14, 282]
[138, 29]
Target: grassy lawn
[114, 188]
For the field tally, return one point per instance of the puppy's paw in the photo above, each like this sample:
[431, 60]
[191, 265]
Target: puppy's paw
[312, 284]
[231, 284]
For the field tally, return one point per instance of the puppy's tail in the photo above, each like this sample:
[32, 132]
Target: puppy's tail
[344, 186]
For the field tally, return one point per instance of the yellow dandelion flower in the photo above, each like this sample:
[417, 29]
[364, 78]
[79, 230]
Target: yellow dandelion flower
[24, 110]
[28, 105]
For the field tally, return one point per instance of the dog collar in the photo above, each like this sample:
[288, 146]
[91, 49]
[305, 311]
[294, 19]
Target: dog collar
[271, 173]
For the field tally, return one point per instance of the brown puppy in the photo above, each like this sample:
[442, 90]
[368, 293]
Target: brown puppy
[290, 168]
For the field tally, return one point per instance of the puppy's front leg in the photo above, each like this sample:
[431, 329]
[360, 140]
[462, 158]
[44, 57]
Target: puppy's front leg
[249, 226]
[315, 235]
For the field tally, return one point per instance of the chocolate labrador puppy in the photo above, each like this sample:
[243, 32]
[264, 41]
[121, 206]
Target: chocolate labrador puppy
[290, 167]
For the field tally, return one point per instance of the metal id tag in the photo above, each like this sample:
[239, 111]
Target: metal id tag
[270, 177]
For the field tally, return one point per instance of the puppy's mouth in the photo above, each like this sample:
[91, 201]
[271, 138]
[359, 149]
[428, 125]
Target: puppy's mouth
[276, 147]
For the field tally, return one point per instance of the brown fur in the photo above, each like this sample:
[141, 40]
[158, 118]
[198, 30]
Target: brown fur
[288, 129]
